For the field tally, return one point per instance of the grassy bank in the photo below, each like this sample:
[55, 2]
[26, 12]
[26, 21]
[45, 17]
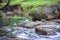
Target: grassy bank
[26, 4]
[34, 3]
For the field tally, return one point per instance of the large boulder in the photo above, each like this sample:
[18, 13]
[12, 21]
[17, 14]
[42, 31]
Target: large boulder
[46, 12]
[44, 31]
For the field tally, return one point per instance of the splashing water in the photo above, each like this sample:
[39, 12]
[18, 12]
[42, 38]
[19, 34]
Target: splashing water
[30, 34]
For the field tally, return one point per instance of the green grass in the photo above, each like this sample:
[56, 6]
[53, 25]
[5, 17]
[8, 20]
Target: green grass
[35, 3]
[28, 3]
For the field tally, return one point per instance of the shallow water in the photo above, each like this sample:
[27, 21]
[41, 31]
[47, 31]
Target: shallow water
[30, 34]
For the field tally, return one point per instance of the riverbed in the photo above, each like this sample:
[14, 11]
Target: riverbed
[29, 34]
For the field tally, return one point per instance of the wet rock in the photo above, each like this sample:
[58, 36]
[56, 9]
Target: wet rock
[57, 21]
[20, 25]
[44, 31]
[43, 20]
[17, 39]
[32, 24]
[9, 38]
[50, 23]
[5, 29]
[8, 28]
[48, 26]
[29, 24]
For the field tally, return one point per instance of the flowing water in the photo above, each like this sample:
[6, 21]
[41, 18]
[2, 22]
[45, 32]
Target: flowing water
[29, 34]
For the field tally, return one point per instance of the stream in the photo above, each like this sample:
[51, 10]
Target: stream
[29, 34]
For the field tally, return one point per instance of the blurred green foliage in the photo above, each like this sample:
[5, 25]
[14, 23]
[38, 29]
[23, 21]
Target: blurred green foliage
[26, 4]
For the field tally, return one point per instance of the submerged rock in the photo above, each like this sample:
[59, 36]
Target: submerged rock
[58, 29]
[17, 39]
[5, 31]
[44, 31]
[56, 38]
[9, 38]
